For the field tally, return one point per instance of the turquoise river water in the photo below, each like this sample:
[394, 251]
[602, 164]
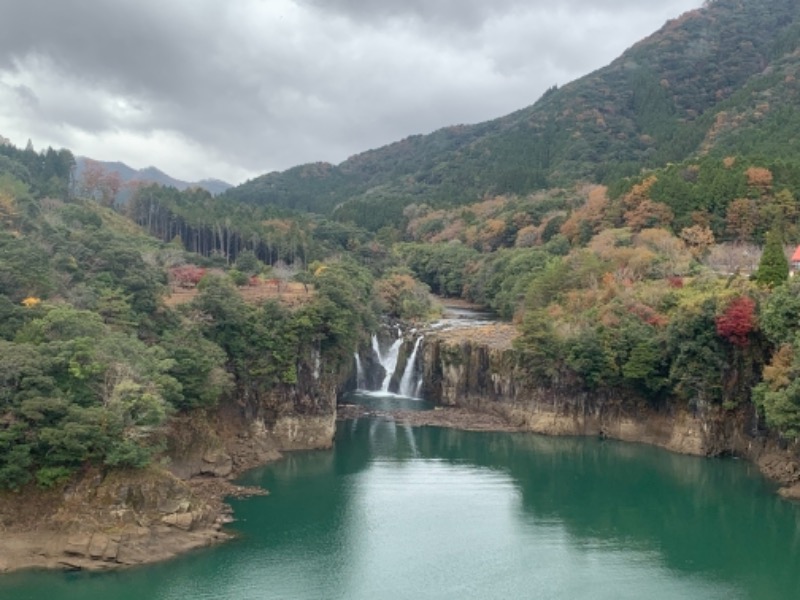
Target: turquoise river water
[422, 513]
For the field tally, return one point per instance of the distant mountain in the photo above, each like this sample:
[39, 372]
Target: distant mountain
[721, 79]
[149, 175]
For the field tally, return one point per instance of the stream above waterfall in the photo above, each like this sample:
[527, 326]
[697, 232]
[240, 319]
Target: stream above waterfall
[460, 316]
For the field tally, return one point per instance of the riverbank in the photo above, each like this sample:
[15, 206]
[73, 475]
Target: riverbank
[105, 520]
[682, 434]
[102, 522]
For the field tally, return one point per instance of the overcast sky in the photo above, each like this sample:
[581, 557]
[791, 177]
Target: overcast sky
[235, 88]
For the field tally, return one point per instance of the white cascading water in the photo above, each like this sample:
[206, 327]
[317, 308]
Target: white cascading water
[359, 373]
[407, 386]
[388, 361]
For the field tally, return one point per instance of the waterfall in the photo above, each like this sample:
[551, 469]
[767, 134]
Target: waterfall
[359, 373]
[389, 362]
[407, 387]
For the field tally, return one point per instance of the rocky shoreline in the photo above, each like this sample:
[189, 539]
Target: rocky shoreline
[122, 519]
[682, 435]
[101, 523]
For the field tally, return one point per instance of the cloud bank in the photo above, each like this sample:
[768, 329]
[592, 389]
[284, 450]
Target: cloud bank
[202, 88]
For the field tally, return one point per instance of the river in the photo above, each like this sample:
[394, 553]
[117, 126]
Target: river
[401, 512]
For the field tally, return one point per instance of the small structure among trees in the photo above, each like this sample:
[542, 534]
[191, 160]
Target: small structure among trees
[794, 262]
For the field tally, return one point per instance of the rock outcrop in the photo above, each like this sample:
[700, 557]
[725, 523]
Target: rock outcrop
[482, 375]
[105, 520]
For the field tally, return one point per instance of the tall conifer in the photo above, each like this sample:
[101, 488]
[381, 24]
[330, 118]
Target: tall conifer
[773, 269]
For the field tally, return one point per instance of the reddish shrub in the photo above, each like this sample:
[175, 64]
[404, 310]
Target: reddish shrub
[737, 321]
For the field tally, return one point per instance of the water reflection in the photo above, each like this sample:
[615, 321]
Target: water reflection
[398, 512]
[714, 517]
[385, 401]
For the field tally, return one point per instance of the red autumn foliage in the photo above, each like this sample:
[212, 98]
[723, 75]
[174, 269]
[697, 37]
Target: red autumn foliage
[187, 276]
[738, 320]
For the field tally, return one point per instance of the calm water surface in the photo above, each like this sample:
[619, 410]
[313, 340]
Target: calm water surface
[401, 512]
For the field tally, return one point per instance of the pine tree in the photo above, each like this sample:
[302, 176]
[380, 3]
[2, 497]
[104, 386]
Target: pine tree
[773, 270]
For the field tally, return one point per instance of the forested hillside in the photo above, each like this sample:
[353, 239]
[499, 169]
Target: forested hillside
[633, 224]
[719, 80]
[93, 363]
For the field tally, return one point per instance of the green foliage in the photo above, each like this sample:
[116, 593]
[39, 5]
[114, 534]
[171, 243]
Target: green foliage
[559, 277]
[15, 457]
[404, 297]
[48, 477]
[644, 366]
[222, 231]
[698, 357]
[778, 395]
[779, 315]
[13, 317]
[344, 308]
[540, 349]
[24, 269]
[266, 346]
[773, 270]
[92, 365]
[47, 173]
[441, 266]
[238, 278]
[781, 407]
[587, 358]
[503, 277]
[247, 262]
[198, 366]
[74, 391]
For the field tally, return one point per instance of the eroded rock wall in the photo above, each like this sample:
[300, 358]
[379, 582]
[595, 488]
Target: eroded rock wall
[104, 520]
[482, 377]
[254, 427]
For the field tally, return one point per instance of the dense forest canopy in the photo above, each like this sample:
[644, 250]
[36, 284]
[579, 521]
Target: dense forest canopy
[93, 363]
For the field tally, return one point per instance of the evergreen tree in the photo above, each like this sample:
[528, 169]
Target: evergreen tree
[773, 269]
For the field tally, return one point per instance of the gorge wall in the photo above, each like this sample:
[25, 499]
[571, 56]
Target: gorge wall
[479, 373]
[109, 519]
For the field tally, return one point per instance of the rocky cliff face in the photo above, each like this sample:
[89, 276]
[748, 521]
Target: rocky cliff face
[105, 520]
[253, 428]
[483, 376]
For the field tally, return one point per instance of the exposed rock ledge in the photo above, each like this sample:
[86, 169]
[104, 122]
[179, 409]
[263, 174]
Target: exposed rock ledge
[104, 522]
[681, 433]
[119, 519]
[475, 369]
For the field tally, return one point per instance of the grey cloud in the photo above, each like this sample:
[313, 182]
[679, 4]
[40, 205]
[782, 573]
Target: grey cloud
[269, 84]
[467, 14]
[26, 96]
[452, 13]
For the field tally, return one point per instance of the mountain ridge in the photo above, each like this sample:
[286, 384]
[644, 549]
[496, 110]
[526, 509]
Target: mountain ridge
[657, 103]
[149, 174]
